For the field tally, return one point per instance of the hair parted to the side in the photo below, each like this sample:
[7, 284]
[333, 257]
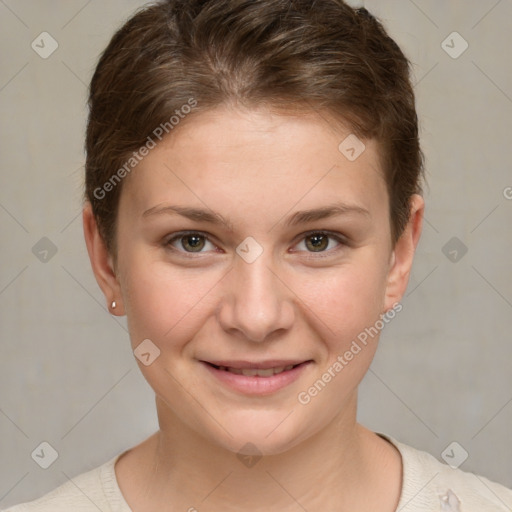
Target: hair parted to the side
[290, 55]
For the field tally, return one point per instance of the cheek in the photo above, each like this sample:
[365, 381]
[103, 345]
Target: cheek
[346, 299]
[162, 302]
[349, 302]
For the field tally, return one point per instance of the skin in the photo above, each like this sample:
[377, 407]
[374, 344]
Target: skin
[294, 301]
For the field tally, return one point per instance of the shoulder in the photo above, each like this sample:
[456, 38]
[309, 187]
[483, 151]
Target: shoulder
[93, 490]
[431, 485]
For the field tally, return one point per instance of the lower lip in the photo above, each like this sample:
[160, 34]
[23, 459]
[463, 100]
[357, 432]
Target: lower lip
[255, 385]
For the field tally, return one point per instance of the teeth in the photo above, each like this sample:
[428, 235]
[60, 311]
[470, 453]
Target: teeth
[267, 372]
[260, 372]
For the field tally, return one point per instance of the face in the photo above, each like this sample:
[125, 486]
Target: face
[248, 243]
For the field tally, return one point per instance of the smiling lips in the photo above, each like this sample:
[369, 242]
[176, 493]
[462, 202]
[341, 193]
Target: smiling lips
[261, 378]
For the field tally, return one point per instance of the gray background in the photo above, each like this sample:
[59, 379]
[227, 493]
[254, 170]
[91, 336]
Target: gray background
[67, 374]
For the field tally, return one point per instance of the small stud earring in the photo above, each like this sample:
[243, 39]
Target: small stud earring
[113, 305]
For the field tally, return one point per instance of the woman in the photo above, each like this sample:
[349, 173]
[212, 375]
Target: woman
[253, 204]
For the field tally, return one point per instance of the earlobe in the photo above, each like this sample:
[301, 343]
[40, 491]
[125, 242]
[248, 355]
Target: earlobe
[101, 262]
[403, 254]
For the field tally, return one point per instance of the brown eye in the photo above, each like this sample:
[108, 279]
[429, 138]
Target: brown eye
[189, 242]
[193, 242]
[321, 242]
[317, 242]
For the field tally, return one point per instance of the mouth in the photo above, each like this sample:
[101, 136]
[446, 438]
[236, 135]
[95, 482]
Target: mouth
[261, 370]
[256, 378]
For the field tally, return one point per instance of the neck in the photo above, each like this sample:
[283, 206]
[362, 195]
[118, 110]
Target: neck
[344, 461]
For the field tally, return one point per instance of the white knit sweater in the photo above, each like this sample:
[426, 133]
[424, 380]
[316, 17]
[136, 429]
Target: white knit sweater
[428, 486]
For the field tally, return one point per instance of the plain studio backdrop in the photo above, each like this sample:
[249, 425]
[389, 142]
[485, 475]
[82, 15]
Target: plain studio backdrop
[441, 380]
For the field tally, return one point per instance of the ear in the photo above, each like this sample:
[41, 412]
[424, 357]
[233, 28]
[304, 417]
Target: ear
[102, 262]
[403, 253]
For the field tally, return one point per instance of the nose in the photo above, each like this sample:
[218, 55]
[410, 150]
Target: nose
[256, 303]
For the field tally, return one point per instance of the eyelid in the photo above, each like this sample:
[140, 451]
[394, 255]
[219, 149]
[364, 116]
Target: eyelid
[333, 234]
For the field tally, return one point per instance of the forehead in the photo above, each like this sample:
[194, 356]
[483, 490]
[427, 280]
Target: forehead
[249, 159]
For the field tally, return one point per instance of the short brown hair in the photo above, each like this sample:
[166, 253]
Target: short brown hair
[281, 53]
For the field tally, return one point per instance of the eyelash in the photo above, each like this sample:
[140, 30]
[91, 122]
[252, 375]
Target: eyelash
[320, 254]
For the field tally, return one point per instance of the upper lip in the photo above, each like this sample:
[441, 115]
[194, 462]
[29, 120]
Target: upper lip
[259, 365]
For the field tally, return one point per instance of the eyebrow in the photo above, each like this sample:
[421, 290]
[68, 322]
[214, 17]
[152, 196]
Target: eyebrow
[325, 212]
[300, 217]
[196, 214]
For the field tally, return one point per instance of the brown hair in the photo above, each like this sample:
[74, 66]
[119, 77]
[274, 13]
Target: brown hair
[178, 54]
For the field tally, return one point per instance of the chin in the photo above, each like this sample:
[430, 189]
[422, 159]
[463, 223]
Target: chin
[261, 433]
